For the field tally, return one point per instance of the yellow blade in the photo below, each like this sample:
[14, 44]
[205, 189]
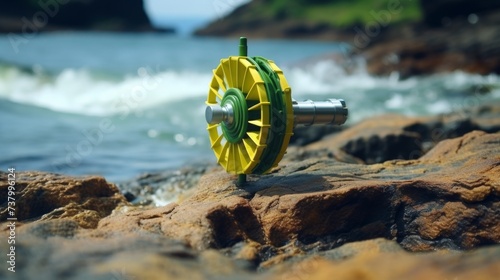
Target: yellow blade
[226, 67]
[250, 146]
[248, 80]
[258, 106]
[232, 157]
[258, 123]
[220, 81]
[243, 155]
[253, 93]
[217, 141]
[212, 126]
[254, 136]
[215, 92]
[234, 71]
[223, 155]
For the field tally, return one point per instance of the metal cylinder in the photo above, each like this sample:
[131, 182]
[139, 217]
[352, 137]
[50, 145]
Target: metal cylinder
[215, 114]
[331, 111]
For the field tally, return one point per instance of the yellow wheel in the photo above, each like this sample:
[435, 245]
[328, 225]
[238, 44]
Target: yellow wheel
[250, 113]
[255, 137]
[241, 156]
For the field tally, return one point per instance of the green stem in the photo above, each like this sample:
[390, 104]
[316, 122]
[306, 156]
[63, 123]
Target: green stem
[243, 46]
[242, 179]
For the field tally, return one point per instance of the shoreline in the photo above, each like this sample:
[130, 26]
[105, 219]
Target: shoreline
[394, 187]
[459, 42]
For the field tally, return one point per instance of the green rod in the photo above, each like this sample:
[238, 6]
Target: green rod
[242, 179]
[243, 46]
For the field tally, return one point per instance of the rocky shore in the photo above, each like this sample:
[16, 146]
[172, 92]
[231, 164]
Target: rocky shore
[392, 197]
[418, 49]
[452, 35]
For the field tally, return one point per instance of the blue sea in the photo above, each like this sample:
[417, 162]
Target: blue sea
[119, 105]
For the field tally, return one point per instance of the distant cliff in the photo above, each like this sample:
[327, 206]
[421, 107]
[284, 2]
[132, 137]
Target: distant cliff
[410, 37]
[30, 16]
[315, 19]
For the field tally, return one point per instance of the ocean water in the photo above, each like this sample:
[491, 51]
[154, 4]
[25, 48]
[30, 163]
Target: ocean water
[119, 105]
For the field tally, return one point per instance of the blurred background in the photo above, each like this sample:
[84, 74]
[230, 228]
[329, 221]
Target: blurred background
[117, 88]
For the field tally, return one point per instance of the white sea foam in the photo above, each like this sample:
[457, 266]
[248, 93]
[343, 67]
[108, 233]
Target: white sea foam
[78, 91]
[82, 92]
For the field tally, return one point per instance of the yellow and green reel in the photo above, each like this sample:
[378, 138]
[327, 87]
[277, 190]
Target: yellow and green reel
[251, 114]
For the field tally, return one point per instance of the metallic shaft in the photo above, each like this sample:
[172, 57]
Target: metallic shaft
[331, 111]
[215, 114]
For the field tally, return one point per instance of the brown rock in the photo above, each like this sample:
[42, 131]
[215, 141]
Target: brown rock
[388, 137]
[447, 199]
[124, 256]
[303, 220]
[210, 218]
[375, 259]
[375, 140]
[50, 228]
[50, 196]
[311, 217]
[417, 49]
[136, 219]
[151, 256]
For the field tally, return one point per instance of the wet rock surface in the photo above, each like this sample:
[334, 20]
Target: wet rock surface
[389, 137]
[322, 212]
[44, 196]
[446, 199]
[163, 187]
[382, 259]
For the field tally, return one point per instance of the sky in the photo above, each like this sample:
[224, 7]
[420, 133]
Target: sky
[186, 15]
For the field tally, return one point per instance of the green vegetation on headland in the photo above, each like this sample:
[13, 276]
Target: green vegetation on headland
[411, 37]
[339, 13]
[316, 19]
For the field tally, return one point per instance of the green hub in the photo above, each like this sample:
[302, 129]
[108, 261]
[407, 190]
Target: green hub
[235, 130]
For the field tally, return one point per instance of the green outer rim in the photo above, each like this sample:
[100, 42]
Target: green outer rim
[236, 130]
[278, 114]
